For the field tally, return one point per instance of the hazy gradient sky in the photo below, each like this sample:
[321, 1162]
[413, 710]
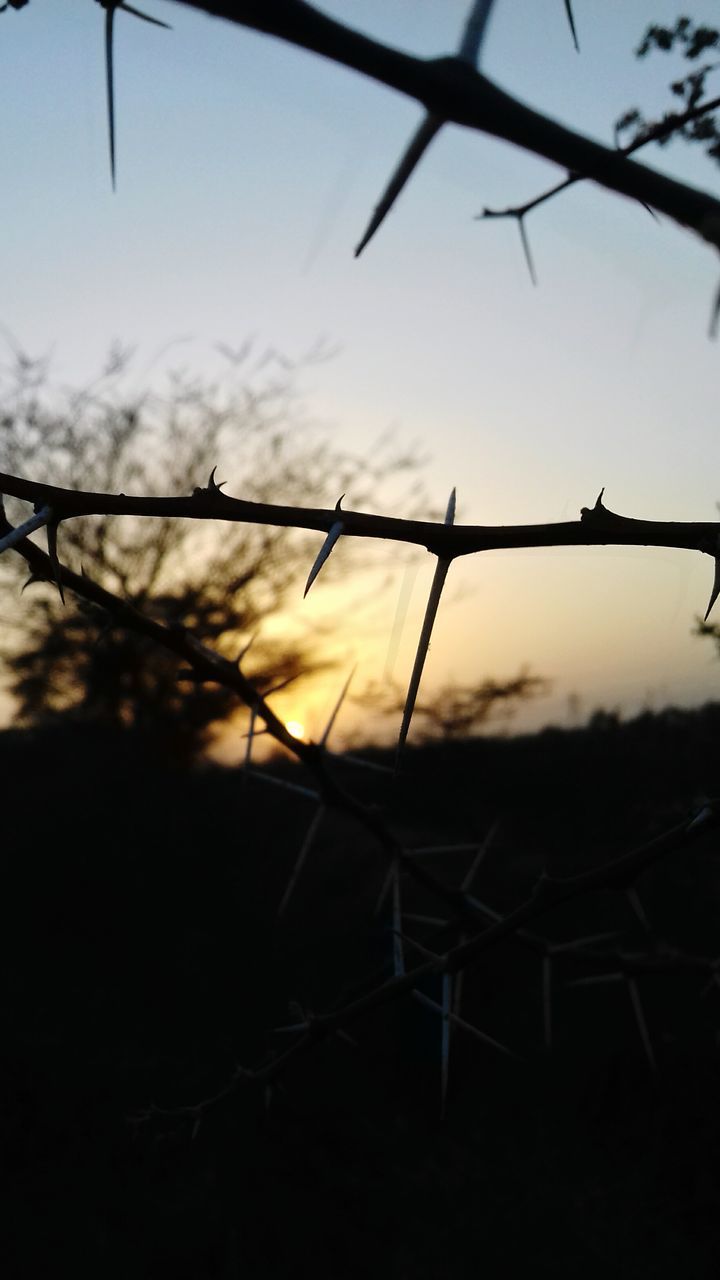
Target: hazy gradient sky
[246, 173]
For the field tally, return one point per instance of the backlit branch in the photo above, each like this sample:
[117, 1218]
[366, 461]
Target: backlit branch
[453, 92]
[597, 526]
[658, 133]
[206, 665]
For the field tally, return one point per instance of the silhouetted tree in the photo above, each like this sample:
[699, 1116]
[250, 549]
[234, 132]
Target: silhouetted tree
[458, 710]
[218, 582]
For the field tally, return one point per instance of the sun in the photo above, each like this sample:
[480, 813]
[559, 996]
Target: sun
[296, 728]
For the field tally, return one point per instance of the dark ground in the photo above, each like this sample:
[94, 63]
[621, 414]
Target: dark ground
[142, 962]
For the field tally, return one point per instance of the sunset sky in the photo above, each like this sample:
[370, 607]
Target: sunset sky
[246, 173]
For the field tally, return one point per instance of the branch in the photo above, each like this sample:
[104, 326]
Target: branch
[597, 526]
[207, 665]
[658, 133]
[549, 893]
[454, 92]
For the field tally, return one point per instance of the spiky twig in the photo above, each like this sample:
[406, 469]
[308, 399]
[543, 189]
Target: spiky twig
[438, 582]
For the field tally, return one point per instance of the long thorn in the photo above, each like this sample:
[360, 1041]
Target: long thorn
[473, 35]
[304, 851]
[110, 81]
[52, 528]
[409, 160]
[642, 1024]
[322, 555]
[445, 1040]
[137, 13]
[398, 952]
[547, 1002]
[526, 250]
[110, 7]
[438, 582]
[571, 20]
[715, 591]
[715, 315]
[336, 708]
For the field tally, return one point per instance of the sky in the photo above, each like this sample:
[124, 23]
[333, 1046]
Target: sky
[246, 172]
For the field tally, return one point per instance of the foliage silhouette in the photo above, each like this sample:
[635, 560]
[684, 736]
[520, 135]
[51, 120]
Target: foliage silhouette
[692, 40]
[72, 658]
[461, 711]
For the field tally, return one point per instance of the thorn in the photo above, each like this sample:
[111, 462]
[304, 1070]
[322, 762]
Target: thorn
[244, 650]
[472, 38]
[577, 944]
[110, 7]
[445, 1040]
[384, 891]
[598, 509]
[419, 946]
[526, 249]
[336, 708]
[398, 953]
[347, 1038]
[436, 921]
[136, 13]
[715, 591]
[571, 20]
[438, 582]
[461, 1022]
[642, 1024]
[715, 315]
[479, 857]
[547, 1002]
[299, 861]
[596, 980]
[322, 555]
[339, 502]
[212, 487]
[36, 521]
[294, 787]
[413, 153]
[52, 528]
[348, 758]
[249, 746]
[633, 898]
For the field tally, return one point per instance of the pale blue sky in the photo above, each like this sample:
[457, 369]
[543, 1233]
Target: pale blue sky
[246, 173]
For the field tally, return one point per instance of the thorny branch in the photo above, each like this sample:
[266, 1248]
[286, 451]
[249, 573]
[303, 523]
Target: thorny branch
[453, 92]
[549, 892]
[597, 526]
[657, 133]
[208, 665]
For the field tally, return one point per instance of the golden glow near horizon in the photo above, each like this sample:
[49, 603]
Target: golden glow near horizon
[296, 728]
[529, 400]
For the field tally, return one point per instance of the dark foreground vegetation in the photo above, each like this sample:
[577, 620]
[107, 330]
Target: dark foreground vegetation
[143, 961]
